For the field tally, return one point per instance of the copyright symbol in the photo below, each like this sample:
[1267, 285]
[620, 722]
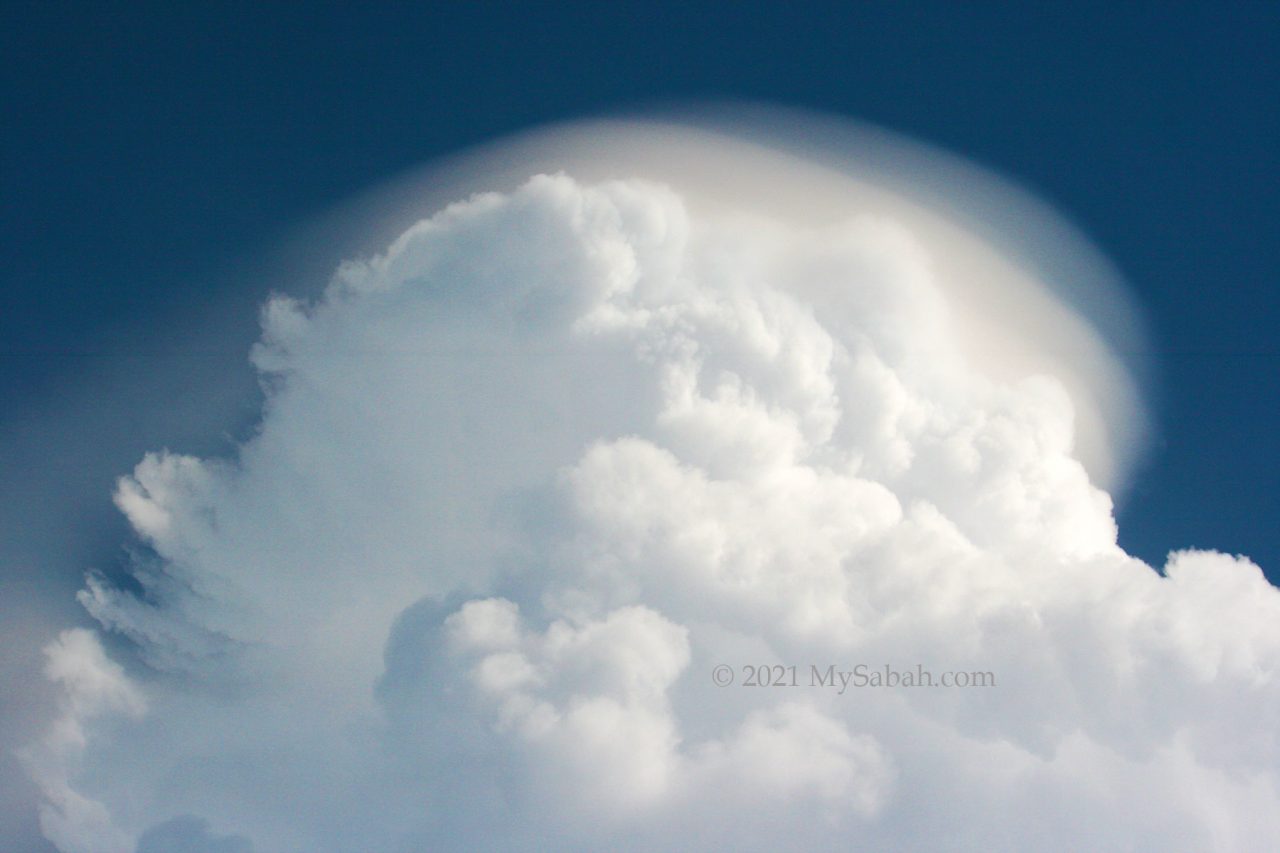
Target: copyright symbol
[722, 675]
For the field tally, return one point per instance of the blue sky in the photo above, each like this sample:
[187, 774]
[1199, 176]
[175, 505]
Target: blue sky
[155, 154]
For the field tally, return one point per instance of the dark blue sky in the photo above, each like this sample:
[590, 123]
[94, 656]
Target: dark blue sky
[150, 149]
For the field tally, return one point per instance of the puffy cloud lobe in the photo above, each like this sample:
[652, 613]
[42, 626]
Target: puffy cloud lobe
[93, 687]
[522, 480]
[593, 700]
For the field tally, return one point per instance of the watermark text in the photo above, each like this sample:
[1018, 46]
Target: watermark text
[843, 678]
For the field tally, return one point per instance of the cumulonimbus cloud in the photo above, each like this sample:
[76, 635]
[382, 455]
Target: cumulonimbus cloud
[526, 477]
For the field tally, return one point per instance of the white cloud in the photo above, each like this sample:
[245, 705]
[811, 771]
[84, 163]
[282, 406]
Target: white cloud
[92, 687]
[524, 479]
